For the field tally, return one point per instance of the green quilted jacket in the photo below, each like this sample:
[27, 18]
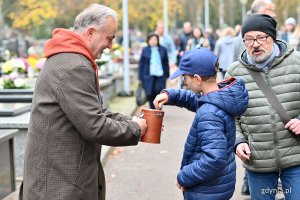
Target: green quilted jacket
[272, 146]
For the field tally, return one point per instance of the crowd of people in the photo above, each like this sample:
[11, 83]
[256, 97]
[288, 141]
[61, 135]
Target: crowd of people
[222, 45]
[233, 47]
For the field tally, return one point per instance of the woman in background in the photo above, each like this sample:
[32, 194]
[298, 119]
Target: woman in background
[224, 49]
[197, 40]
[153, 68]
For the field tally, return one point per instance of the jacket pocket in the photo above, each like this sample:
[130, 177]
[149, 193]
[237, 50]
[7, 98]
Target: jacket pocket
[81, 172]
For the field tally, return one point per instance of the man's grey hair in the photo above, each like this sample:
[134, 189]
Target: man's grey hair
[257, 5]
[93, 16]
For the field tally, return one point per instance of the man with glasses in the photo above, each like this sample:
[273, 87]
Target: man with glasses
[258, 7]
[269, 149]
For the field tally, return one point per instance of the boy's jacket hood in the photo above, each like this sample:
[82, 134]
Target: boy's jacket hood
[232, 97]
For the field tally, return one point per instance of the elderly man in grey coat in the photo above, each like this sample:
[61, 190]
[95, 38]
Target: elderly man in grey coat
[258, 7]
[267, 144]
[68, 123]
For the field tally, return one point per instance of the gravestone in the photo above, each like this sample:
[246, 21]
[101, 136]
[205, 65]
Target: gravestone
[7, 171]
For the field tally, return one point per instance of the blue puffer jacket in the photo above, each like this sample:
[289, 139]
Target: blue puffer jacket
[208, 165]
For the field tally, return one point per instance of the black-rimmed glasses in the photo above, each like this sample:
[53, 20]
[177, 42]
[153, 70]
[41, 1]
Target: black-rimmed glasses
[260, 40]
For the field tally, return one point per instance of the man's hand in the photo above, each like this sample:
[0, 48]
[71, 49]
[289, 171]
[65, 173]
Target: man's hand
[160, 100]
[294, 126]
[142, 123]
[180, 187]
[243, 151]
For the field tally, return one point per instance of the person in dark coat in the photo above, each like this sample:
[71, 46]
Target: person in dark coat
[208, 168]
[68, 121]
[153, 68]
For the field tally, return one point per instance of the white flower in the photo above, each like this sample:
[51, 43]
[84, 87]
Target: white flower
[106, 51]
[105, 58]
[18, 63]
[1, 83]
[19, 82]
[118, 53]
[13, 75]
[12, 64]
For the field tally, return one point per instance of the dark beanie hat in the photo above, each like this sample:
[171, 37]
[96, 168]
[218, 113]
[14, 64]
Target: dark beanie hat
[260, 22]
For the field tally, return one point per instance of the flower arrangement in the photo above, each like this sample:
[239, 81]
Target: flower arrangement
[20, 72]
[14, 73]
[18, 65]
[117, 52]
[32, 60]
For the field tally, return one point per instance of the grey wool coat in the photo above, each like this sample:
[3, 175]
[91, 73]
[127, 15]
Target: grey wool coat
[67, 127]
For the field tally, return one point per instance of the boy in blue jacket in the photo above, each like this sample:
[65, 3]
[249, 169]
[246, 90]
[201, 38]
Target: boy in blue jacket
[208, 166]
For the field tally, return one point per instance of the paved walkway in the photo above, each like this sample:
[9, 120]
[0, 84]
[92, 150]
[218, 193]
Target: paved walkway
[148, 171]
[125, 105]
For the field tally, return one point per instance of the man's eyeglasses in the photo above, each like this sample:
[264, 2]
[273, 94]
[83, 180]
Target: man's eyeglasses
[260, 40]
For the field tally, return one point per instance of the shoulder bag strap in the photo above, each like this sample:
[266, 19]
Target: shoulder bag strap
[270, 96]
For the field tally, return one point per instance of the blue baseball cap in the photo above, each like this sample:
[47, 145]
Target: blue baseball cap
[197, 61]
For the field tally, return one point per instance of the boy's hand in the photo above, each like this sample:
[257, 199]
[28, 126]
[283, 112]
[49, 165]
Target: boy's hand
[160, 100]
[180, 187]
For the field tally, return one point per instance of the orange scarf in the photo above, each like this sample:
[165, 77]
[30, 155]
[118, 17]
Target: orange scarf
[64, 41]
